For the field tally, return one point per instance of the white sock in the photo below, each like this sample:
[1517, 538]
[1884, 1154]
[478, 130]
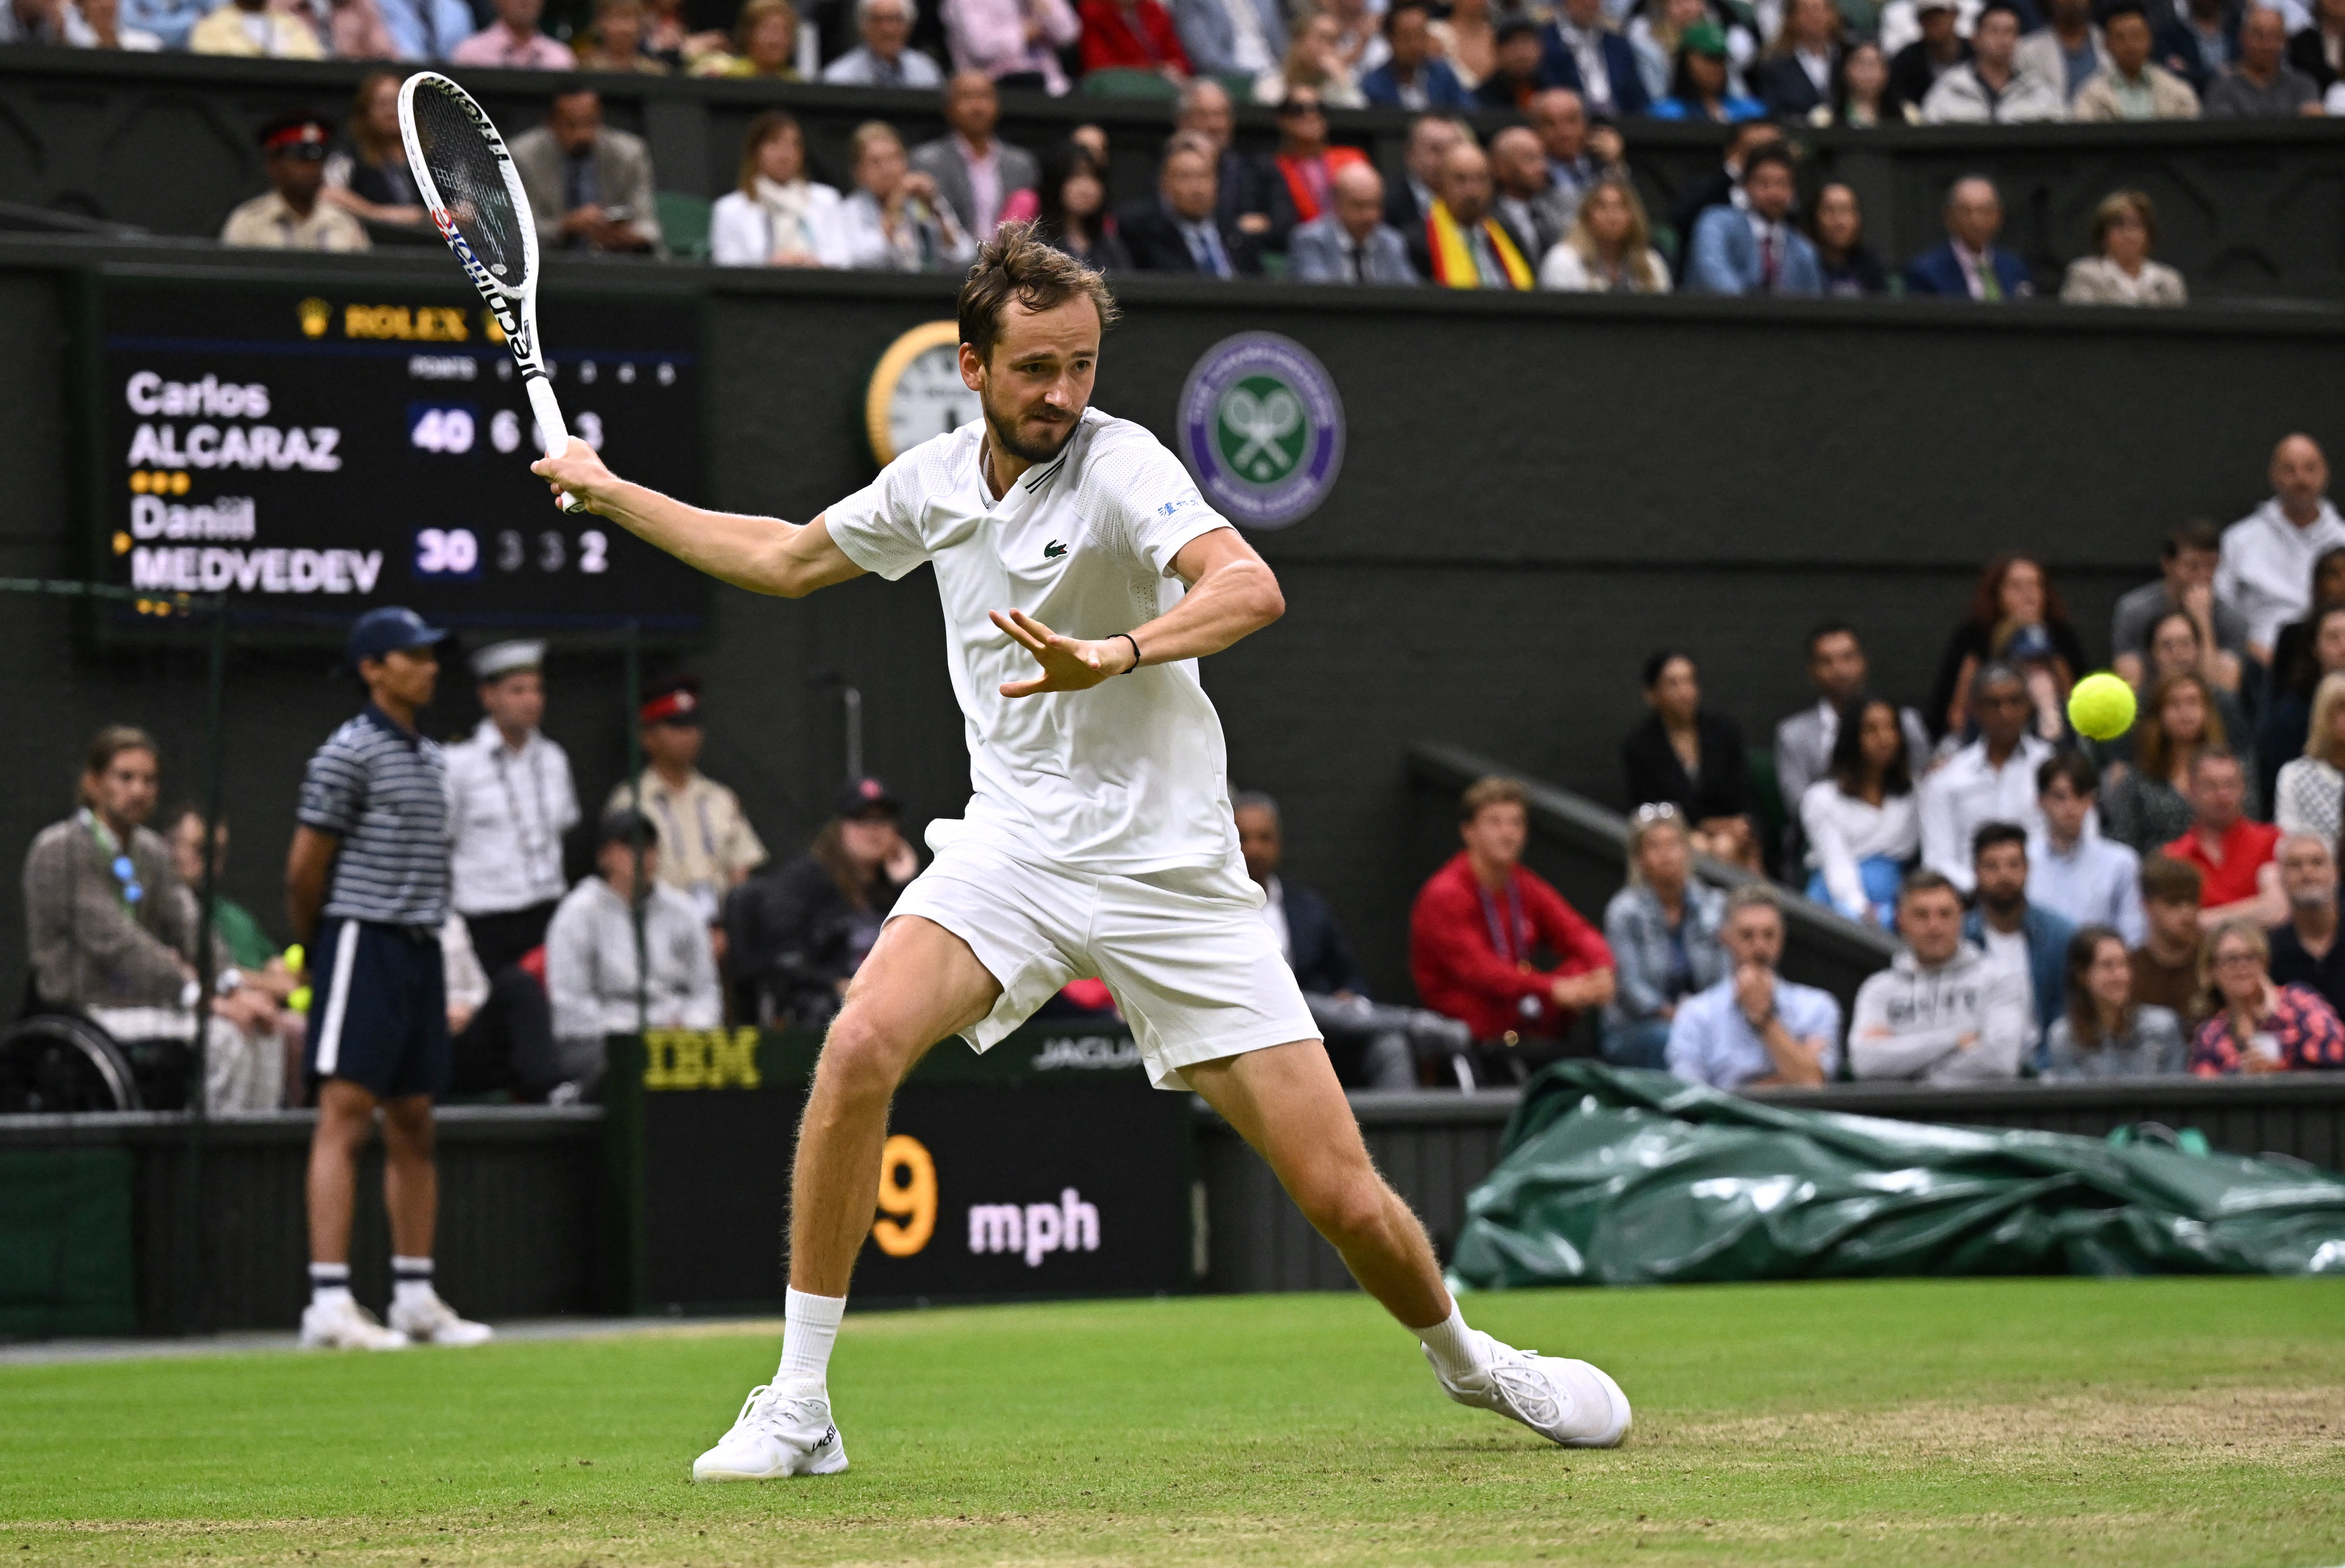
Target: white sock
[330, 1284]
[810, 1327]
[1455, 1350]
[410, 1280]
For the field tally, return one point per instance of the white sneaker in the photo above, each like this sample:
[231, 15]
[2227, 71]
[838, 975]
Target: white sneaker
[775, 1435]
[434, 1322]
[344, 1325]
[1565, 1402]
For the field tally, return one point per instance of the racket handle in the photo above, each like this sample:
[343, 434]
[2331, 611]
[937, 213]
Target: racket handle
[548, 411]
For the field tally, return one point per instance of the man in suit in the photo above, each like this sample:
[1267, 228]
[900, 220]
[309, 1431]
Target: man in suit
[1941, 47]
[975, 171]
[1803, 742]
[1720, 189]
[1535, 211]
[1415, 77]
[1970, 266]
[2200, 39]
[1351, 243]
[1246, 197]
[590, 186]
[1796, 76]
[1408, 201]
[1581, 53]
[1577, 154]
[1482, 254]
[1178, 232]
[1231, 37]
[1373, 1047]
[1754, 249]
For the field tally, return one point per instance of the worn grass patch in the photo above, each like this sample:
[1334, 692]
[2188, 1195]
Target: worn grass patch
[2022, 1422]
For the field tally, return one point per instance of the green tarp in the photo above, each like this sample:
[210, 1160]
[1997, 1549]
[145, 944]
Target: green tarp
[1621, 1177]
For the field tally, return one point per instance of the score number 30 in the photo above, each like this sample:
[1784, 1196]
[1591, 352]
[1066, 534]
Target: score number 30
[456, 552]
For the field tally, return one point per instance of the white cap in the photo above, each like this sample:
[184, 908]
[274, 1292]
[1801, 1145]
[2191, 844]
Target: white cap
[500, 659]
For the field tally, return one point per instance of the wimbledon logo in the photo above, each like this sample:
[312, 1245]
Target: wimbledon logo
[1261, 428]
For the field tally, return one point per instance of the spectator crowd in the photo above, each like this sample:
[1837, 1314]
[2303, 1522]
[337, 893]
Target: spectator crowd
[2161, 901]
[1547, 201]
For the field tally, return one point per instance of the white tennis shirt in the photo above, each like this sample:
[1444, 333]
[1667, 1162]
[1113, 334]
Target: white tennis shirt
[1128, 777]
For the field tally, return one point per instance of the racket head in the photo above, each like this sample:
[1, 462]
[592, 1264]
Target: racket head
[469, 186]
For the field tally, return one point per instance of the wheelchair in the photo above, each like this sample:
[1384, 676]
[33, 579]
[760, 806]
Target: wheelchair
[55, 1061]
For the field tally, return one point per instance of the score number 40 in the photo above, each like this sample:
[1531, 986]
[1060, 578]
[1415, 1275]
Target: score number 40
[456, 552]
[453, 429]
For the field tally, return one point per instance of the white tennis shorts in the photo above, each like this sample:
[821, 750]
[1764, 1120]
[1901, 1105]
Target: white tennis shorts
[1196, 973]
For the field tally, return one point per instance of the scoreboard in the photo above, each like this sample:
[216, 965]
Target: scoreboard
[313, 452]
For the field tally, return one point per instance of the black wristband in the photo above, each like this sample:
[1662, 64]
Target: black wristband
[1135, 649]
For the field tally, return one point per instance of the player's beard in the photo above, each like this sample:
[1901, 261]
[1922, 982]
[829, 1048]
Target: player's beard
[1044, 442]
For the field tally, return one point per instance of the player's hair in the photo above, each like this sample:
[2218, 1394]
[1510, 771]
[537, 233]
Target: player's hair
[112, 741]
[1991, 834]
[2074, 766]
[1485, 793]
[1018, 264]
[2166, 880]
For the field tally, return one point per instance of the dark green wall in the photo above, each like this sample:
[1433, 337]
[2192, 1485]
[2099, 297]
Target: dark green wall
[1535, 494]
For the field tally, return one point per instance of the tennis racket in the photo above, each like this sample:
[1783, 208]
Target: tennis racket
[475, 194]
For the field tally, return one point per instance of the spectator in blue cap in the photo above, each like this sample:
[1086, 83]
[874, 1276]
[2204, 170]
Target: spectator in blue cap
[366, 883]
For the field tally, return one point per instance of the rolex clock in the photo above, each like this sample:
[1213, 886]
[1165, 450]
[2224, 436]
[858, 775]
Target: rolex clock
[916, 391]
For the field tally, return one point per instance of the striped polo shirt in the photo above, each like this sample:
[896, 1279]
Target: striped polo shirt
[383, 792]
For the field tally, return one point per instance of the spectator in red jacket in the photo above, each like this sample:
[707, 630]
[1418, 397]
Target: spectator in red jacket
[1132, 35]
[1482, 923]
[1305, 161]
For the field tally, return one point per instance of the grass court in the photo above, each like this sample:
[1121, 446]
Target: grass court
[2136, 1423]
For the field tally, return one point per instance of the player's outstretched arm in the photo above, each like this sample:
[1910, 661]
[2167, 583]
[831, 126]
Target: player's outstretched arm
[1232, 593]
[762, 554]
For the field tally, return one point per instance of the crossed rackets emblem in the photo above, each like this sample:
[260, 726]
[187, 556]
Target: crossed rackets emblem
[1263, 421]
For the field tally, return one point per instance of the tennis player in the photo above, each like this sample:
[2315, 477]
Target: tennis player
[1082, 576]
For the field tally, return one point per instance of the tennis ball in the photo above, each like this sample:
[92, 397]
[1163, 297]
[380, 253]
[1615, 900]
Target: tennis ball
[2101, 706]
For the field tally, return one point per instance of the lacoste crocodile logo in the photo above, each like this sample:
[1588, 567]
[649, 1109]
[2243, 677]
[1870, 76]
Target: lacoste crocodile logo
[1053, 549]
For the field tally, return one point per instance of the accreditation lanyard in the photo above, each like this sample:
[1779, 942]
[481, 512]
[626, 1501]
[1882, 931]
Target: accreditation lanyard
[126, 873]
[1507, 937]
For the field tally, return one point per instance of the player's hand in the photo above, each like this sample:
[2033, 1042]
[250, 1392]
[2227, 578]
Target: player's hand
[1068, 663]
[578, 471]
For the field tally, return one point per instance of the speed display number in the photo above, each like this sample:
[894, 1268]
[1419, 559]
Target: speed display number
[312, 457]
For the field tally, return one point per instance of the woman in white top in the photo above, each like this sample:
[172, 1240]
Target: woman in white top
[778, 218]
[1863, 833]
[894, 222]
[2311, 796]
[2124, 229]
[1608, 249]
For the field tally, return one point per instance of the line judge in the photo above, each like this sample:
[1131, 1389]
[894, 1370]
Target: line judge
[510, 801]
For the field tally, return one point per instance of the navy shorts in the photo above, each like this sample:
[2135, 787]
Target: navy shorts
[379, 1016]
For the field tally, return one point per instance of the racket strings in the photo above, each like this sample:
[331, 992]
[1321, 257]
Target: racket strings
[471, 185]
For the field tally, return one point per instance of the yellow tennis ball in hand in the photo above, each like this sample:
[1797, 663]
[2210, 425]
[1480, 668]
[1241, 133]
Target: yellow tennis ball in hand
[2101, 706]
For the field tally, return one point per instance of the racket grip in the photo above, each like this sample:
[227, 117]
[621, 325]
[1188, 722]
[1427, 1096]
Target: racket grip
[542, 403]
